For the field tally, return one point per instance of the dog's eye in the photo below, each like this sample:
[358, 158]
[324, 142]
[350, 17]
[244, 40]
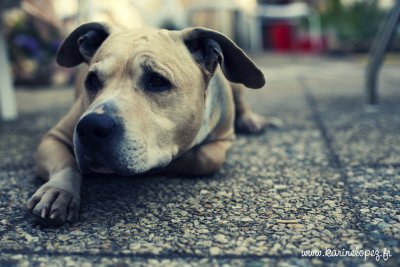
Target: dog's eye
[156, 82]
[93, 82]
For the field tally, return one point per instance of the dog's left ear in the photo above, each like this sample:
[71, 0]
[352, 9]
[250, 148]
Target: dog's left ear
[210, 48]
[82, 44]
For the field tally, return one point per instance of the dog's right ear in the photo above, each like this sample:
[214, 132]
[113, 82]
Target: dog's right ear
[211, 48]
[82, 44]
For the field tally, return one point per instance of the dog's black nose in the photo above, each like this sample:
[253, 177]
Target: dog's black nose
[95, 128]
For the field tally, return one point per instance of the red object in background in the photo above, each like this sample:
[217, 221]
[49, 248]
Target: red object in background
[285, 37]
[304, 44]
[281, 36]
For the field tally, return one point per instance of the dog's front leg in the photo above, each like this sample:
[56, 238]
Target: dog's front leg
[202, 160]
[58, 200]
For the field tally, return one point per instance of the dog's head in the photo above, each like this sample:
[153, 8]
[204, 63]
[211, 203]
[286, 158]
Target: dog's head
[145, 92]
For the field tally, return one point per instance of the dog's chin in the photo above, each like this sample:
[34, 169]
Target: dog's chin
[93, 166]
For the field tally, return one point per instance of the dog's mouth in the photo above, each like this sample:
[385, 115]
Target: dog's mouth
[97, 167]
[117, 160]
[94, 165]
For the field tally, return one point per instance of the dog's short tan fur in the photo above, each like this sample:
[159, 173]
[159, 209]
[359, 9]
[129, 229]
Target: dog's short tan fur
[186, 129]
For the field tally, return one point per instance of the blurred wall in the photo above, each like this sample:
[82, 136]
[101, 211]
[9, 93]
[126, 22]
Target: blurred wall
[235, 18]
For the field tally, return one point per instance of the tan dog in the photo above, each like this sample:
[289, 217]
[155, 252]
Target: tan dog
[152, 99]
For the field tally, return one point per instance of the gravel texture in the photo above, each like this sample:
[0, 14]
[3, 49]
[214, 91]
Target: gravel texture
[328, 177]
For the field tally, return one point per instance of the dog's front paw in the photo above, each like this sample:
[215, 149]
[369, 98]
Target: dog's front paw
[252, 123]
[54, 205]
[58, 200]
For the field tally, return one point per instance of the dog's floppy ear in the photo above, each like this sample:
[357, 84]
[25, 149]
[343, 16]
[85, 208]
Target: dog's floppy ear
[210, 48]
[82, 44]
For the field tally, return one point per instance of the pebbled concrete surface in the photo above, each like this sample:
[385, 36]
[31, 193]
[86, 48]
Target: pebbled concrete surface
[327, 178]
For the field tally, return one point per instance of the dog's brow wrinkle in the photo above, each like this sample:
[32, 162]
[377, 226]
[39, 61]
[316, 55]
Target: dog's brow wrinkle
[151, 65]
[146, 38]
[143, 39]
[105, 66]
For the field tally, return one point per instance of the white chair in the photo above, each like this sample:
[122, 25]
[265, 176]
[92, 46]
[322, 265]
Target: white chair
[8, 103]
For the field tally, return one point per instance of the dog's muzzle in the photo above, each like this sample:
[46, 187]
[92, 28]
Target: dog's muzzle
[102, 144]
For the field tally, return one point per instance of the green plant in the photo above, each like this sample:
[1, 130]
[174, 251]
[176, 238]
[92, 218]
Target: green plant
[355, 25]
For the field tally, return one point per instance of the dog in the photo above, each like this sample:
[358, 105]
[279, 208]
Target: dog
[153, 100]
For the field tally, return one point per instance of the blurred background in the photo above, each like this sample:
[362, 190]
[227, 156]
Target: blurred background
[31, 30]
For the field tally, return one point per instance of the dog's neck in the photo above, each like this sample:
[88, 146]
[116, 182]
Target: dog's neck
[209, 110]
[214, 110]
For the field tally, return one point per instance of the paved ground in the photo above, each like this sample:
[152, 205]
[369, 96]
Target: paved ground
[328, 178]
